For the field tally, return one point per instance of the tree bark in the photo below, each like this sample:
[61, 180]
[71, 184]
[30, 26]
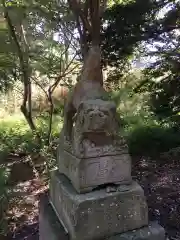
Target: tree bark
[95, 22]
[51, 110]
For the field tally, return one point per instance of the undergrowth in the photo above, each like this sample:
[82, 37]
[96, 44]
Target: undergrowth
[17, 139]
[15, 135]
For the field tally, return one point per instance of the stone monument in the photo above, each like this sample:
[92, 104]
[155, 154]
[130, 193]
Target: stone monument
[92, 195]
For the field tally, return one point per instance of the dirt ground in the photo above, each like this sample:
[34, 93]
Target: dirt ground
[161, 183]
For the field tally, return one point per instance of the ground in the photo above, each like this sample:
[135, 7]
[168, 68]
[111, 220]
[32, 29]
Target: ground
[161, 183]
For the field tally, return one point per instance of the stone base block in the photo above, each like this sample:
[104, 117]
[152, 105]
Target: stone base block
[88, 173]
[152, 232]
[51, 228]
[97, 214]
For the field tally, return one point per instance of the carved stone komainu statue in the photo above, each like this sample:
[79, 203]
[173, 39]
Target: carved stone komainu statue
[95, 130]
[90, 122]
[89, 142]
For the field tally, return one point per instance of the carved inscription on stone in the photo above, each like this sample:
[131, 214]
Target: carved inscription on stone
[106, 169]
[86, 174]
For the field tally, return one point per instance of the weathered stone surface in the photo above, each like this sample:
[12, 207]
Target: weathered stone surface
[97, 214]
[152, 232]
[95, 131]
[86, 174]
[50, 227]
[91, 152]
[89, 86]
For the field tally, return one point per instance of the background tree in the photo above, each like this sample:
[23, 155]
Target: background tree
[127, 25]
[131, 26]
[32, 28]
[162, 76]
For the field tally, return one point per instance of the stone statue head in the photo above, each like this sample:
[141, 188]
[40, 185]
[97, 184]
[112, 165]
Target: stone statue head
[96, 116]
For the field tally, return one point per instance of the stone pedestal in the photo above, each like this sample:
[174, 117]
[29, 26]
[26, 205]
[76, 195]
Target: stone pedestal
[97, 214]
[92, 194]
[52, 229]
[88, 173]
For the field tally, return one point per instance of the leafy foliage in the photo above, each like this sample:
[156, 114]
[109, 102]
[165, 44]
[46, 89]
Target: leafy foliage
[15, 135]
[162, 76]
[151, 140]
[8, 62]
[123, 30]
[127, 25]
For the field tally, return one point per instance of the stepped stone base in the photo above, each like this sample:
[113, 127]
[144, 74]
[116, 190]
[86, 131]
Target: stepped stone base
[97, 214]
[88, 173]
[50, 228]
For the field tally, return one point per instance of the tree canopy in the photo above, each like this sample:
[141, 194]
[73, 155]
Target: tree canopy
[127, 25]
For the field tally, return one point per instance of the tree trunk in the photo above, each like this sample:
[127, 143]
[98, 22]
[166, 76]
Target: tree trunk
[95, 22]
[51, 110]
[88, 18]
[26, 107]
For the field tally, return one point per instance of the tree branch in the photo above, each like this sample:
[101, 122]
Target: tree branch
[39, 85]
[76, 8]
[59, 78]
[23, 59]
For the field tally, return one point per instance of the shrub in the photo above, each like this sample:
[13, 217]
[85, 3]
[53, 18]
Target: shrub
[152, 140]
[15, 135]
[145, 134]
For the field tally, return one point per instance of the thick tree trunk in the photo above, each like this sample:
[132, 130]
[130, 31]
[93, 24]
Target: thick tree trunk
[88, 17]
[95, 22]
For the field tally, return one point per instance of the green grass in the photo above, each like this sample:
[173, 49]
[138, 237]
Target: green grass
[15, 135]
